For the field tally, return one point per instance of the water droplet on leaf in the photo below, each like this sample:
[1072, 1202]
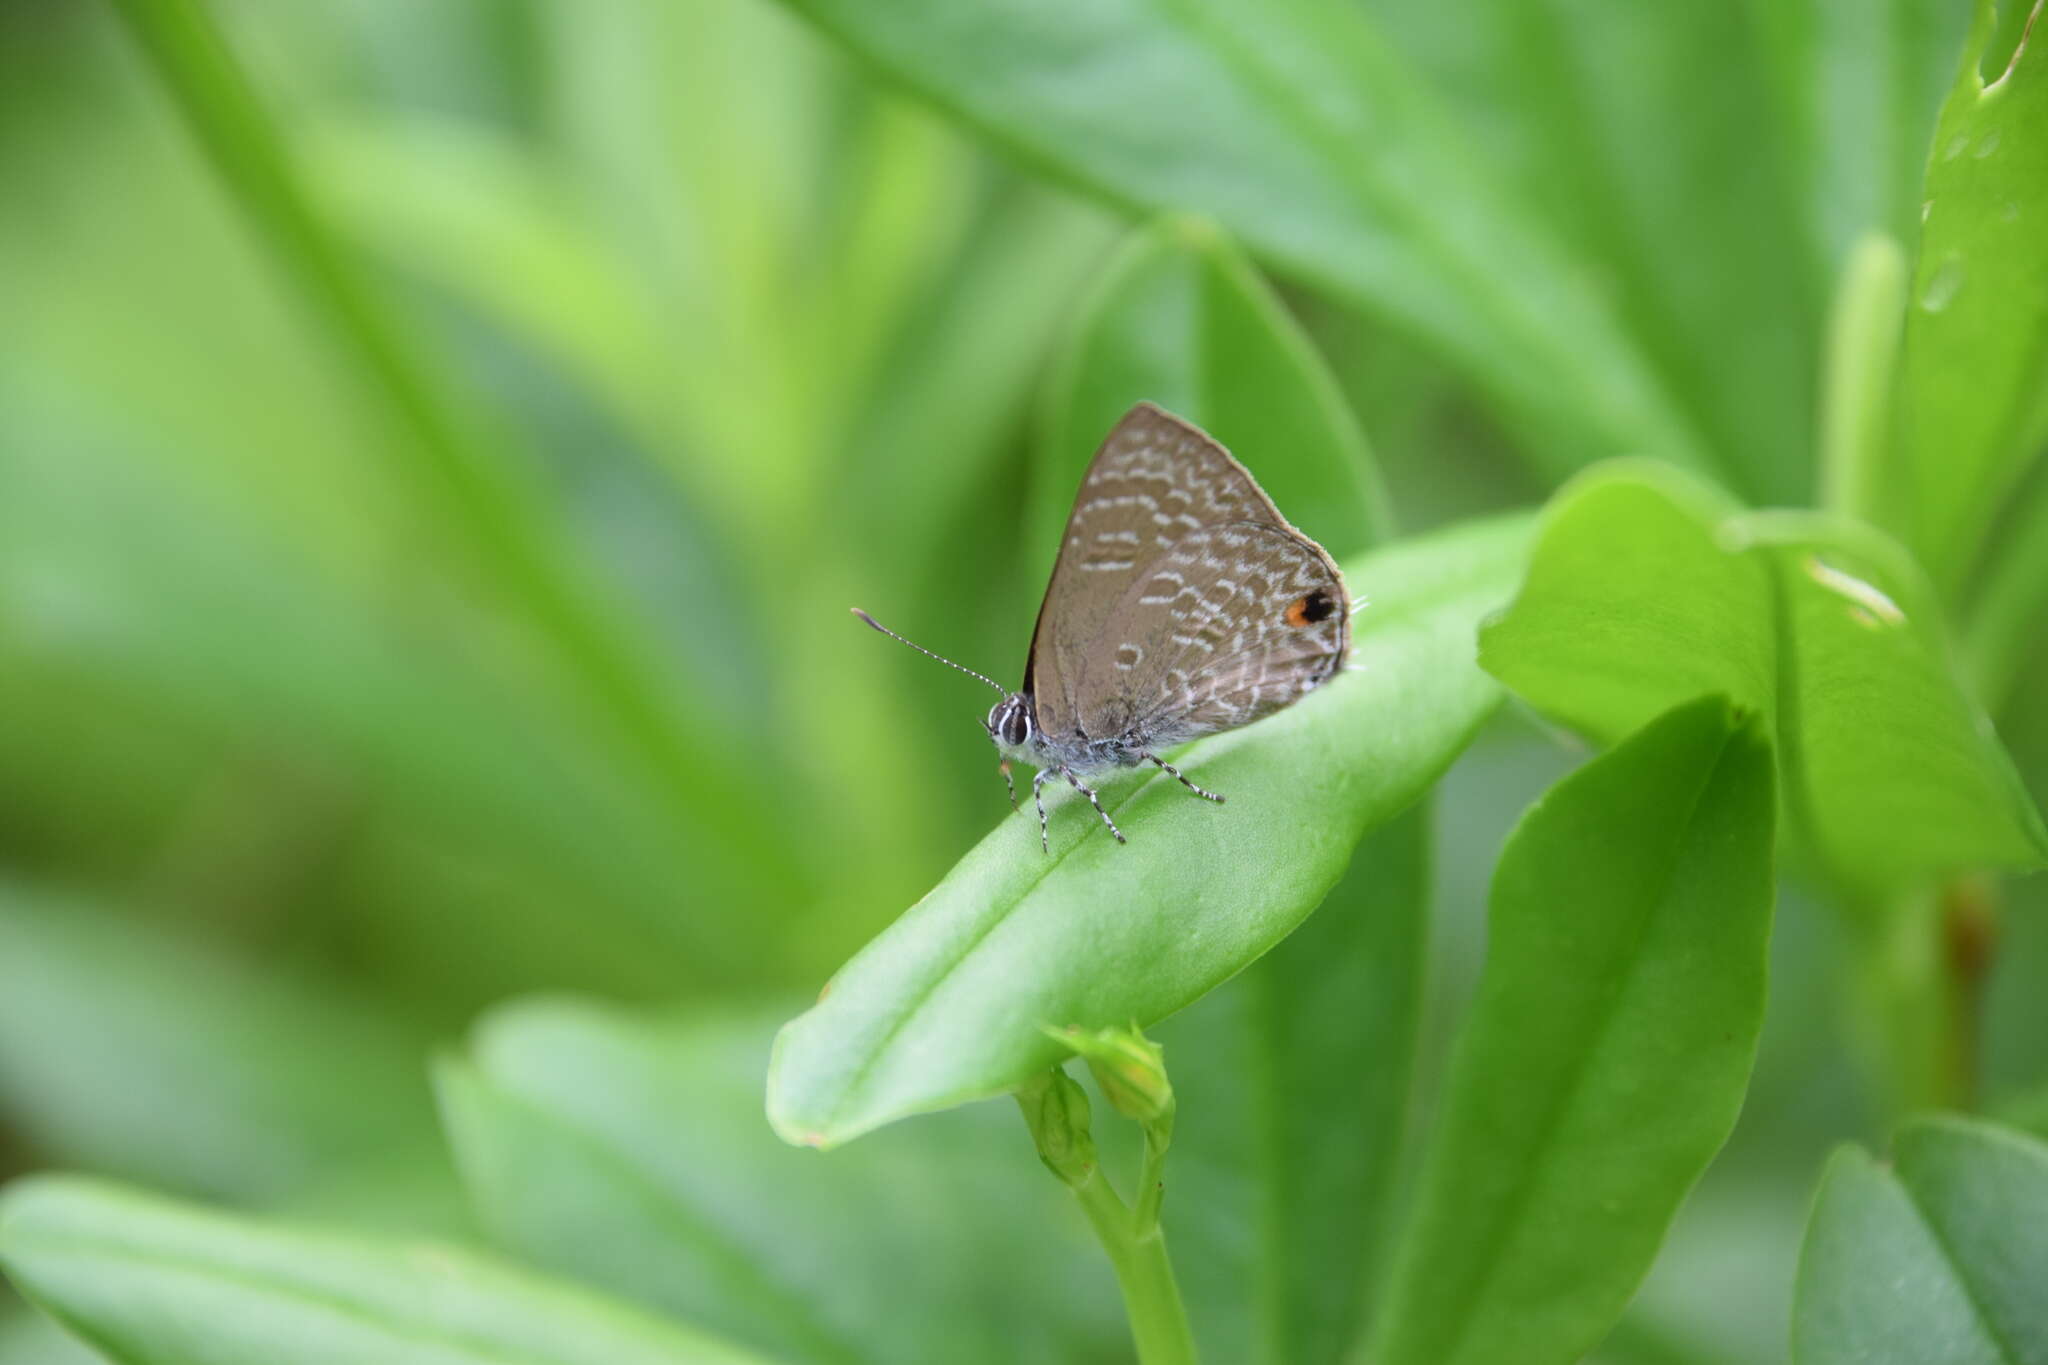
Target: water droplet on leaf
[1986, 145]
[1942, 285]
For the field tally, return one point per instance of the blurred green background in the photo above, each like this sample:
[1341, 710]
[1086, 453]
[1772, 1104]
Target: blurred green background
[300, 767]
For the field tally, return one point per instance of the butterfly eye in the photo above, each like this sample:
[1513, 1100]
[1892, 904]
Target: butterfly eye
[1016, 728]
[1306, 611]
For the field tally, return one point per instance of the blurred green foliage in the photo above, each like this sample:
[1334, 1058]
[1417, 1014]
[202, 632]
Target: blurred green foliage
[428, 508]
[746, 374]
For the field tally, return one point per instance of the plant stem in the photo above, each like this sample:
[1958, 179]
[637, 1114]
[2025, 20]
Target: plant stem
[1921, 991]
[1151, 1185]
[1159, 1321]
[1862, 349]
[1056, 1110]
[1970, 914]
[1900, 992]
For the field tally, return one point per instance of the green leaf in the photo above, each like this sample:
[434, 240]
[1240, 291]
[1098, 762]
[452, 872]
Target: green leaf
[629, 1152]
[1940, 794]
[959, 384]
[1610, 120]
[1293, 126]
[1646, 589]
[1630, 607]
[140, 1054]
[2004, 629]
[1976, 348]
[1938, 1257]
[946, 1005]
[1182, 319]
[1858, 87]
[182, 630]
[29, 1338]
[443, 459]
[1606, 1053]
[2026, 1111]
[1294, 1082]
[149, 1281]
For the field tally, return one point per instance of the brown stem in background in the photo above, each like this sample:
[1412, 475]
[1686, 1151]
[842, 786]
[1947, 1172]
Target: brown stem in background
[1969, 908]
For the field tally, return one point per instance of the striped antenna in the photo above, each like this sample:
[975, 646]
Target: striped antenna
[927, 653]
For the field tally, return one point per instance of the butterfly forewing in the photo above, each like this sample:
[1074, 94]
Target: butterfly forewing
[1182, 602]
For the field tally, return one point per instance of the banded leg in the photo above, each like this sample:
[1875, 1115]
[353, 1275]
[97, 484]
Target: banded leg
[1089, 792]
[1175, 774]
[1008, 785]
[1038, 800]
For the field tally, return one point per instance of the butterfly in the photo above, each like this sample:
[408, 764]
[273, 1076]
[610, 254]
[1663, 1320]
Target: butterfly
[1182, 603]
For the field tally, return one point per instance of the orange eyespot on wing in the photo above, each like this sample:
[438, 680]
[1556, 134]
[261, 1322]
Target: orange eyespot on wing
[1308, 610]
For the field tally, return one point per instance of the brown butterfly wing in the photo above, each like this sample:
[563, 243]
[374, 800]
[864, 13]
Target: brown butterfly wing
[1230, 625]
[1168, 612]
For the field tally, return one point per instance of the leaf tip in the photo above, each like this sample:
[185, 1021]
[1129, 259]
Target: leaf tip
[40, 1201]
[792, 1119]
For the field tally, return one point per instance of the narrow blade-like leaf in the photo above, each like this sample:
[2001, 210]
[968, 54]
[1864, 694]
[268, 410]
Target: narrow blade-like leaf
[443, 461]
[151, 1282]
[1976, 347]
[1607, 1051]
[29, 1338]
[1294, 1087]
[1622, 126]
[1293, 125]
[1858, 87]
[1182, 320]
[140, 1055]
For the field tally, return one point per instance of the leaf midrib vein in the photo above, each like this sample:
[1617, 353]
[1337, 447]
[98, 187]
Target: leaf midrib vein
[394, 1323]
[1568, 1093]
[1954, 1263]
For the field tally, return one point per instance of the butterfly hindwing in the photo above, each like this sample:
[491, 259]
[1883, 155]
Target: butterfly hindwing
[1230, 625]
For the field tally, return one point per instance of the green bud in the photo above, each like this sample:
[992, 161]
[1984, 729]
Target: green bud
[1056, 1110]
[1130, 1068]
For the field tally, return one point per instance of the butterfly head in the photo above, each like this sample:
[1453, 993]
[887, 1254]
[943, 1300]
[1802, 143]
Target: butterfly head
[1013, 727]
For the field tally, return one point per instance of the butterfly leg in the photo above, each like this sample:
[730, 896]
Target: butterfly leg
[1175, 774]
[1089, 792]
[1008, 785]
[1038, 799]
